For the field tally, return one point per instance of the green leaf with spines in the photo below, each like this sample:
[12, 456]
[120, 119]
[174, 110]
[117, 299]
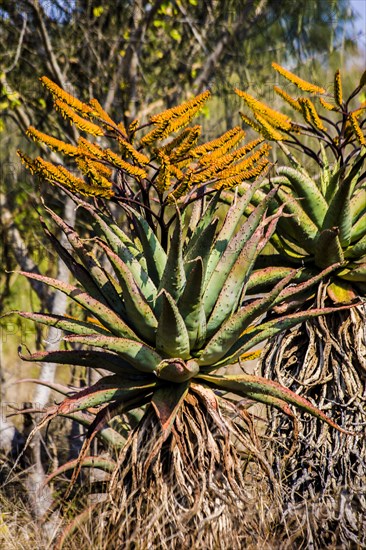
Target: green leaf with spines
[262, 389]
[355, 272]
[174, 278]
[303, 229]
[359, 228]
[140, 311]
[106, 316]
[214, 284]
[79, 272]
[328, 248]
[172, 338]
[205, 220]
[231, 330]
[232, 218]
[85, 358]
[153, 251]
[90, 263]
[144, 358]
[128, 253]
[190, 305]
[256, 334]
[106, 390]
[358, 202]
[357, 250]
[312, 200]
[202, 246]
[66, 324]
[230, 292]
[339, 210]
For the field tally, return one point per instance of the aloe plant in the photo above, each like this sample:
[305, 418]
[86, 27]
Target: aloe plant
[166, 321]
[323, 359]
[162, 324]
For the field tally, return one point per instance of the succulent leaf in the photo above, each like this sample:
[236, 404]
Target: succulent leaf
[139, 310]
[153, 251]
[255, 387]
[139, 355]
[306, 189]
[106, 316]
[174, 278]
[191, 305]
[172, 339]
[328, 248]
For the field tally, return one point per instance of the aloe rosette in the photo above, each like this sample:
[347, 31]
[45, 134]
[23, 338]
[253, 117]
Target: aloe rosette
[166, 326]
[323, 359]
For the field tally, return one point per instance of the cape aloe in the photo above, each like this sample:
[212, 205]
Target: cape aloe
[166, 321]
[323, 359]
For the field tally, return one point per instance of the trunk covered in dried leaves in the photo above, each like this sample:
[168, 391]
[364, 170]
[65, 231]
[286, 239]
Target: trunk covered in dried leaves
[195, 488]
[324, 360]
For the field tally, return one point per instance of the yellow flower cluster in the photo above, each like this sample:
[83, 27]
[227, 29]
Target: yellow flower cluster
[222, 143]
[174, 119]
[274, 118]
[65, 97]
[310, 114]
[327, 105]
[80, 122]
[100, 113]
[59, 174]
[357, 129]
[299, 82]
[338, 91]
[290, 100]
[118, 162]
[52, 143]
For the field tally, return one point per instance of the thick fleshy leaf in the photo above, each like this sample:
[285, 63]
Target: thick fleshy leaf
[258, 333]
[233, 328]
[78, 271]
[84, 358]
[174, 278]
[328, 248]
[128, 252]
[202, 246]
[357, 250]
[359, 228]
[139, 310]
[339, 212]
[191, 307]
[229, 296]
[295, 291]
[154, 253]
[358, 202]
[167, 402]
[233, 289]
[306, 189]
[229, 226]
[354, 272]
[66, 324]
[303, 229]
[107, 389]
[262, 279]
[215, 280]
[206, 218]
[255, 387]
[172, 338]
[139, 355]
[98, 462]
[90, 263]
[105, 315]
